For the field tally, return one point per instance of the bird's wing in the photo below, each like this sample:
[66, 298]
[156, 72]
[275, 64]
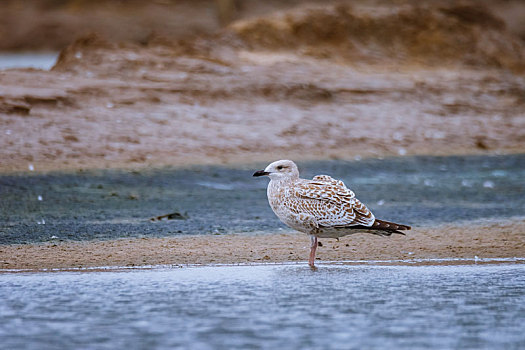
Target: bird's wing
[330, 202]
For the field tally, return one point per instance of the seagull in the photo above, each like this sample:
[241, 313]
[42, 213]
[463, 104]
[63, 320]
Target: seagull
[322, 207]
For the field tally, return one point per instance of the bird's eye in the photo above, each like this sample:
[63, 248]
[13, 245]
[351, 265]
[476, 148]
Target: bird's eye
[280, 167]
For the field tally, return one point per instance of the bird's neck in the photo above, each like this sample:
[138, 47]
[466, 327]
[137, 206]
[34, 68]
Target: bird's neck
[283, 181]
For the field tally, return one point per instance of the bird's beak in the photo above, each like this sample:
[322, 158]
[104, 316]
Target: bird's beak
[261, 173]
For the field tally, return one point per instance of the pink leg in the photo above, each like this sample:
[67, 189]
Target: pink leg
[313, 247]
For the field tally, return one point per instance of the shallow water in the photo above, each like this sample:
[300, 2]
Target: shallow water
[28, 60]
[267, 307]
[109, 204]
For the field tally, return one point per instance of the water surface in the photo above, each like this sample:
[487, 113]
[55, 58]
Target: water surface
[267, 307]
[108, 204]
[36, 60]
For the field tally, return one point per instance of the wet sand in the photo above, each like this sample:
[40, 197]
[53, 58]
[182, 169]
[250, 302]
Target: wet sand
[465, 241]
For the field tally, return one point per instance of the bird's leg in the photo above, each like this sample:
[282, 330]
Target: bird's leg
[313, 247]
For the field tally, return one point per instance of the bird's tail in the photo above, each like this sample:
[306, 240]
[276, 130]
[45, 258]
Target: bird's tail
[389, 227]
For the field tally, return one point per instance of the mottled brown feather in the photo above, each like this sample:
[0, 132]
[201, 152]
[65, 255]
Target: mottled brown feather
[338, 203]
[323, 206]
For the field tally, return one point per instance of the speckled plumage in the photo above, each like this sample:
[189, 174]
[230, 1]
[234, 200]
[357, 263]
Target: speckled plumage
[321, 207]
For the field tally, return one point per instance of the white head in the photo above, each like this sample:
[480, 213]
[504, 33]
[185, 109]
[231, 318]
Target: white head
[280, 170]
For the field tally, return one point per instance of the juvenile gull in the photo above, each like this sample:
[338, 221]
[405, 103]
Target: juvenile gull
[321, 207]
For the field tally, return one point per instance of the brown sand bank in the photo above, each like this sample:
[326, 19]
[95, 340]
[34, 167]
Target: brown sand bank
[314, 82]
[491, 240]
[54, 24]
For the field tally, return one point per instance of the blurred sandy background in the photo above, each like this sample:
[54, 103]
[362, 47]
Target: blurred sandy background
[150, 83]
[55, 24]
[147, 83]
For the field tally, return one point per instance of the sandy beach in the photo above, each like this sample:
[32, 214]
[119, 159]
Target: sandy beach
[490, 240]
[130, 132]
[340, 81]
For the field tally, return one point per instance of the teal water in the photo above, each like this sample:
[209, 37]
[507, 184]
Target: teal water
[418, 191]
[267, 307]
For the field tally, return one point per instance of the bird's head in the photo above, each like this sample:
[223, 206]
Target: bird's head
[280, 170]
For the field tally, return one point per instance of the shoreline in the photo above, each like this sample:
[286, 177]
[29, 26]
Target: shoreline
[496, 242]
[238, 160]
[369, 263]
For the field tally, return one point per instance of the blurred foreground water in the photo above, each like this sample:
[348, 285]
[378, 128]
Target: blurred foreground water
[267, 307]
[109, 204]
